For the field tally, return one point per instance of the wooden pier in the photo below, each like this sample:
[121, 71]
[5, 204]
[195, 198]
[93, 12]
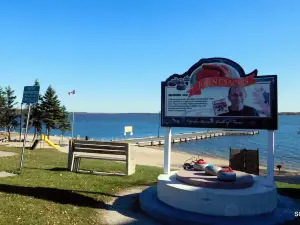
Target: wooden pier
[185, 137]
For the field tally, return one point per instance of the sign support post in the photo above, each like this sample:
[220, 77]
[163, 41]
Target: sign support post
[270, 159]
[167, 150]
[25, 137]
[30, 96]
[21, 118]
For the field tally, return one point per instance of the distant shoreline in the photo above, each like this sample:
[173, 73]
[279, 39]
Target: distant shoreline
[144, 113]
[280, 113]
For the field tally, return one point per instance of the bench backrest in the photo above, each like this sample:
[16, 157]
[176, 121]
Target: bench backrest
[100, 147]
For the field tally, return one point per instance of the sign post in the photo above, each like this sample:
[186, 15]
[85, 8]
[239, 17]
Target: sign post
[270, 158]
[21, 117]
[30, 96]
[25, 137]
[167, 150]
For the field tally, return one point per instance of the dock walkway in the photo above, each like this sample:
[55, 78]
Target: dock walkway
[184, 137]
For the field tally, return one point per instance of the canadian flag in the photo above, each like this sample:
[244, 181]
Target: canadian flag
[71, 92]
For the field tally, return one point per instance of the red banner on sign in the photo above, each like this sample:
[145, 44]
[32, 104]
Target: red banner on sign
[221, 82]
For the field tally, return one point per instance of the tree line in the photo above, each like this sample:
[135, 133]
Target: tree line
[48, 112]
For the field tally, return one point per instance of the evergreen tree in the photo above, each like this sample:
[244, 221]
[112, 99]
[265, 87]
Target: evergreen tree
[10, 115]
[50, 110]
[64, 122]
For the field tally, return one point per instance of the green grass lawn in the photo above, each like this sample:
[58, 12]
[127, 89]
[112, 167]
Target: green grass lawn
[45, 193]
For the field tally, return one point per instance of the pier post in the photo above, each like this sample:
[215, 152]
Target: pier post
[270, 159]
[167, 150]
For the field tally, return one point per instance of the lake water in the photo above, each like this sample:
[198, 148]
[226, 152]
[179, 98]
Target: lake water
[111, 126]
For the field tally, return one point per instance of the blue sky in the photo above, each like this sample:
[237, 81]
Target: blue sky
[116, 53]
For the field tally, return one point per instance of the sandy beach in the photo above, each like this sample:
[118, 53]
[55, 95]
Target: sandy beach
[154, 156]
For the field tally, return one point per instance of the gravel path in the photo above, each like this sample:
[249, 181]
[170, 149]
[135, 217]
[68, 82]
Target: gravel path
[5, 154]
[125, 210]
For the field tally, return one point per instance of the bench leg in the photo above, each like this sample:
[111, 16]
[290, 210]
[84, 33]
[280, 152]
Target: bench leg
[75, 164]
[130, 167]
[78, 164]
[72, 163]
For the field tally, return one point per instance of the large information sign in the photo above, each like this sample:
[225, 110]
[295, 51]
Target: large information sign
[31, 94]
[217, 93]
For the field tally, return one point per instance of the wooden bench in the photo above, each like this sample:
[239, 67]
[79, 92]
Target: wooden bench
[102, 150]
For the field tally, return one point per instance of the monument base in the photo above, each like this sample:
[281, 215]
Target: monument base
[255, 200]
[166, 214]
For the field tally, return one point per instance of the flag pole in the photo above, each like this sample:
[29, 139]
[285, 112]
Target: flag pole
[73, 116]
[73, 125]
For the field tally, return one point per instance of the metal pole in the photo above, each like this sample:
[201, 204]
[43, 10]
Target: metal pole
[270, 158]
[25, 136]
[21, 122]
[73, 125]
[167, 150]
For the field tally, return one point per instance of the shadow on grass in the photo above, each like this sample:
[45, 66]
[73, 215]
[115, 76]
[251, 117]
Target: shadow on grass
[55, 169]
[90, 172]
[290, 192]
[55, 195]
[58, 169]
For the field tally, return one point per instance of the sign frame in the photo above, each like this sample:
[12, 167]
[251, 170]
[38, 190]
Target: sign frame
[31, 94]
[228, 122]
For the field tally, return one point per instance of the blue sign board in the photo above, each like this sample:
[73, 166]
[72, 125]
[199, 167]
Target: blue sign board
[31, 94]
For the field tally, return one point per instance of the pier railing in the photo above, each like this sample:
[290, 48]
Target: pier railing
[185, 137]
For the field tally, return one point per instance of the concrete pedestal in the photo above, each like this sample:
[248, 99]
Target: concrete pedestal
[255, 200]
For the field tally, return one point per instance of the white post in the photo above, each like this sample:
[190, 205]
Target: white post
[167, 150]
[25, 137]
[270, 159]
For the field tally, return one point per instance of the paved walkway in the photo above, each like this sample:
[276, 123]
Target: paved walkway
[6, 154]
[125, 209]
